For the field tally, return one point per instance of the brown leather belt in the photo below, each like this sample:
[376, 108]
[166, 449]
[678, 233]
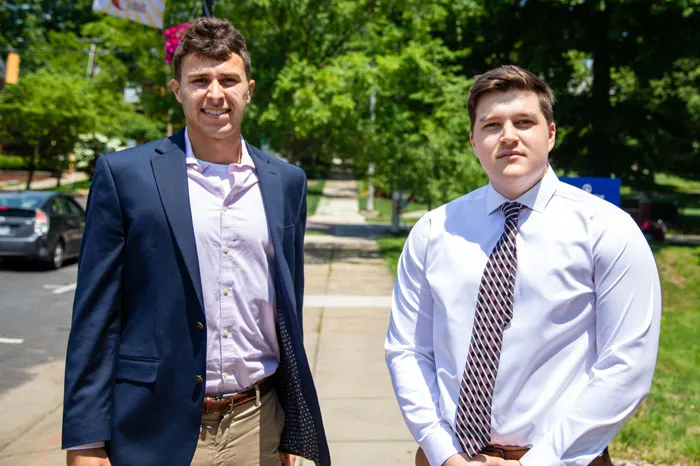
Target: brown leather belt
[224, 404]
[514, 453]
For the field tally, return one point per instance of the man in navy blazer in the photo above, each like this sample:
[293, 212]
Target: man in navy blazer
[174, 357]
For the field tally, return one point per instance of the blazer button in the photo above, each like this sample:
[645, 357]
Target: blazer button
[200, 325]
[198, 378]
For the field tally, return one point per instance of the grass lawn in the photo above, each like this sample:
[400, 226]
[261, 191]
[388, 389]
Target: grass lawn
[383, 206]
[69, 188]
[313, 195]
[666, 427]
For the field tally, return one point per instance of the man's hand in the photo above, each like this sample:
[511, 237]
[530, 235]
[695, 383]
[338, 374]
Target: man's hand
[87, 457]
[462, 459]
[287, 460]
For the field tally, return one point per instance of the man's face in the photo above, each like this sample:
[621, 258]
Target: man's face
[512, 140]
[213, 95]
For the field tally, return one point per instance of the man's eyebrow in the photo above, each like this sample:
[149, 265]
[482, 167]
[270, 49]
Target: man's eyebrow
[517, 115]
[195, 75]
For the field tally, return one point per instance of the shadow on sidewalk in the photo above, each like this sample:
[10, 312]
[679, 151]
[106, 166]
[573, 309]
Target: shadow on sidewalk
[367, 231]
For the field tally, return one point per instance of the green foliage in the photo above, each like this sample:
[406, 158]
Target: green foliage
[626, 75]
[314, 192]
[12, 162]
[47, 113]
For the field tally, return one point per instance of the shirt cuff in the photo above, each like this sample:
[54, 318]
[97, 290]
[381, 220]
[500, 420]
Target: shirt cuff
[88, 445]
[439, 445]
[541, 454]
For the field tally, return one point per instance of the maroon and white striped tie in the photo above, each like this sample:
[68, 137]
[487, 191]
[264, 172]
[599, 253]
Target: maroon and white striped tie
[494, 309]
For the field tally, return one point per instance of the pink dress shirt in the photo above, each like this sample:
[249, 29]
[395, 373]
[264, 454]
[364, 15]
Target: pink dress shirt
[235, 255]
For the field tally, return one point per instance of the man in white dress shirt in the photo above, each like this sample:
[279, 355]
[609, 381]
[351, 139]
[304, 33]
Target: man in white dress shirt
[525, 318]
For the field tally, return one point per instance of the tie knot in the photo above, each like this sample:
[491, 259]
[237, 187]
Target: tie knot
[511, 210]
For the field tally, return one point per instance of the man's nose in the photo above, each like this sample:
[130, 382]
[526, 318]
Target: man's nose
[216, 91]
[510, 133]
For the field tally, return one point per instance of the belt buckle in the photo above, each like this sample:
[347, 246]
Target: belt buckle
[227, 397]
[493, 450]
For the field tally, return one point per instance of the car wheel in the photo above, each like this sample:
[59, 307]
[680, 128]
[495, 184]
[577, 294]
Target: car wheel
[57, 256]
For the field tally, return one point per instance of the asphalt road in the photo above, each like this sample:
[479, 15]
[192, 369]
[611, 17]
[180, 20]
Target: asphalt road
[35, 314]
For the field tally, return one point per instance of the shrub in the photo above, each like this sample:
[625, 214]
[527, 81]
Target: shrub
[12, 162]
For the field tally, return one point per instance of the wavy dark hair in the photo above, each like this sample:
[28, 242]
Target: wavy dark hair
[211, 38]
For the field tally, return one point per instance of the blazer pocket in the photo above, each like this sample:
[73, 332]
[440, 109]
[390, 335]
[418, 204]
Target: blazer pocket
[137, 370]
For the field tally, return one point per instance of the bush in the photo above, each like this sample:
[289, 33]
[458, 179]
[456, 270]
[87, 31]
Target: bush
[12, 162]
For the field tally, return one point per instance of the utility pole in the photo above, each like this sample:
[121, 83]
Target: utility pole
[90, 71]
[370, 168]
[208, 8]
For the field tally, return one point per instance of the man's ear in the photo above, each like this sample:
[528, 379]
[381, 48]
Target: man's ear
[175, 86]
[552, 135]
[251, 88]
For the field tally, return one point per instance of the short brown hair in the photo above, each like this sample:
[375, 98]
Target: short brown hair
[211, 38]
[505, 78]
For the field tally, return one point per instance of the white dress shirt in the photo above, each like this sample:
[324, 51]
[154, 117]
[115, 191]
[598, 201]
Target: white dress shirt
[579, 354]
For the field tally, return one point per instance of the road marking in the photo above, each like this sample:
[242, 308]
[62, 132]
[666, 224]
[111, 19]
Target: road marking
[12, 341]
[61, 289]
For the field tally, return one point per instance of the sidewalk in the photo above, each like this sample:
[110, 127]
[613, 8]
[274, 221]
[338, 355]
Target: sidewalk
[345, 339]
[47, 183]
[348, 288]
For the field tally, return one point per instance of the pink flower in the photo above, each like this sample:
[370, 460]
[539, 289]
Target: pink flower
[172, 38]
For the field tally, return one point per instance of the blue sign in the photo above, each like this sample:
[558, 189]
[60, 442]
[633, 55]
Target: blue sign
[605, 188]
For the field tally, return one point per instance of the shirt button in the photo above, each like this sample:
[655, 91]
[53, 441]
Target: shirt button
[225, 209]
[226, 333]
[198, 378]
[225, 374]
[225, 291]
[225, 250]
[200, 325]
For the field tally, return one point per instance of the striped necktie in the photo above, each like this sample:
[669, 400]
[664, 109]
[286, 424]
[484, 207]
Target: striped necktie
[494, 310]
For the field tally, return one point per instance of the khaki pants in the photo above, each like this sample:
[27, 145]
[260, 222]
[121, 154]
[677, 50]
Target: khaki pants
[247, 436]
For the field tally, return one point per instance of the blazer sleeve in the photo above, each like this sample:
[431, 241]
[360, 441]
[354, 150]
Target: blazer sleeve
[299, 255]
[94, 337]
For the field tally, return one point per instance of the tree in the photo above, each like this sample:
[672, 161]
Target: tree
[610, 62]
[47, 113]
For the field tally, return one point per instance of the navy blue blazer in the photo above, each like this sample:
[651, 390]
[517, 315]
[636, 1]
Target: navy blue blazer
[136, 352]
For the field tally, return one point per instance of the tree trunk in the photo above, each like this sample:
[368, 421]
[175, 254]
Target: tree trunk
[601, 149]
[32, 166]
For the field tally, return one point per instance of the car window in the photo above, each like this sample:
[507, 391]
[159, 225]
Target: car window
[17, 202]
[72, 207]
[58, 207]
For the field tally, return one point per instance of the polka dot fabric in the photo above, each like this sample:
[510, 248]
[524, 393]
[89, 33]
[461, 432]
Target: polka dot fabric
[299, 436]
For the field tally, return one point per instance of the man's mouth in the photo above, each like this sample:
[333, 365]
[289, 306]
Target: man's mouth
[509, 154]
[215, 112]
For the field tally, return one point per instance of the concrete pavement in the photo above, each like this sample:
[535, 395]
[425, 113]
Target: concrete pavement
[48, 183]
[348, 286]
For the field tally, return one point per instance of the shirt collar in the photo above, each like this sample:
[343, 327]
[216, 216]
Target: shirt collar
[536, 198]
[201, 165]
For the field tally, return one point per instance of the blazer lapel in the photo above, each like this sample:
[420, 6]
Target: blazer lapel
[272, 196]
[170, 173]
